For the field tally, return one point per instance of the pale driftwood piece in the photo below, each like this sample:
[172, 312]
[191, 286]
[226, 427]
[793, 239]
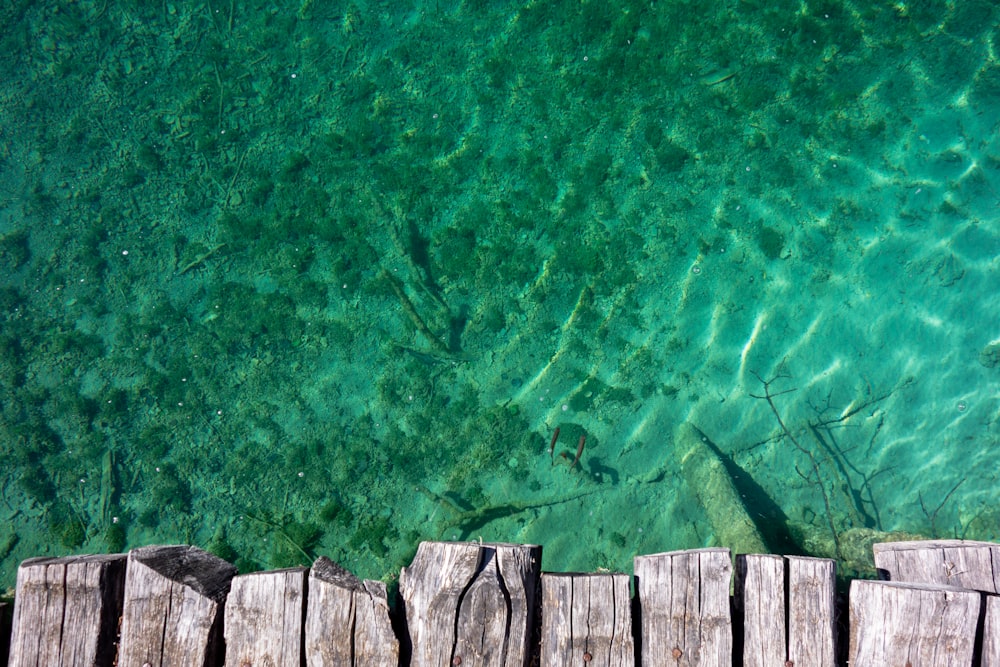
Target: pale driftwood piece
[700, 461]
[922, 625]
[264, 617]
[173, 607]
[812, 620]
[966, 564]
[471, 603]
[991, 633]
[66, 610]
[684, 608]
[760, 596]
[347, 622]
[586, 618]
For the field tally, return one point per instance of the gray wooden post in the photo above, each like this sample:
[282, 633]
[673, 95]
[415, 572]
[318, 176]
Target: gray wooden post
[66, 610]
[991, 633]
[812, 619]
[922, 625]
[174, 597]
[264, 618]
[347, 622]
[586, 618]
[471, 603]
[684, 607]
[962, 563]
[760, 595]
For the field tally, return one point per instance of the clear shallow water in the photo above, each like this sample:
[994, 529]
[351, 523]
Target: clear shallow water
[283, 280]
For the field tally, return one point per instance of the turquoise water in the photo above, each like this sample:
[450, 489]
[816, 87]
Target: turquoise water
[290, 279]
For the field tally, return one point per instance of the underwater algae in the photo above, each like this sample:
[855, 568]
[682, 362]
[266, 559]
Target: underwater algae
[289, 280]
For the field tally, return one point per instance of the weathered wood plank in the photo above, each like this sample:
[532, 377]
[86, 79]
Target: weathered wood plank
[966, 564]
[173, 606]
[66, 610]
[684, 608]
[760, 598]
[812, 619]
[586, 618]
[347, 622]
[991, 632]
[471, 603]
[922, 625]
[264, 618]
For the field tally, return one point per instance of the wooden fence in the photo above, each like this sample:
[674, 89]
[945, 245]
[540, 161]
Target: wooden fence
[490, 604]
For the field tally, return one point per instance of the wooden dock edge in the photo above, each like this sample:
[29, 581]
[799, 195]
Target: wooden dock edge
[490, 604]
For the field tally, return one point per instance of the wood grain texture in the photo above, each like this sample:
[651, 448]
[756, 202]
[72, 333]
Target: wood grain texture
[265, 617]
[812, 617]
[760, 600]
[347, 622]
[684, 607]
[475, 604]
[991, 633]
[471, 603]
[586, 618]
[66, 610]
[173, 607]
[922, 625]
[966, 564]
